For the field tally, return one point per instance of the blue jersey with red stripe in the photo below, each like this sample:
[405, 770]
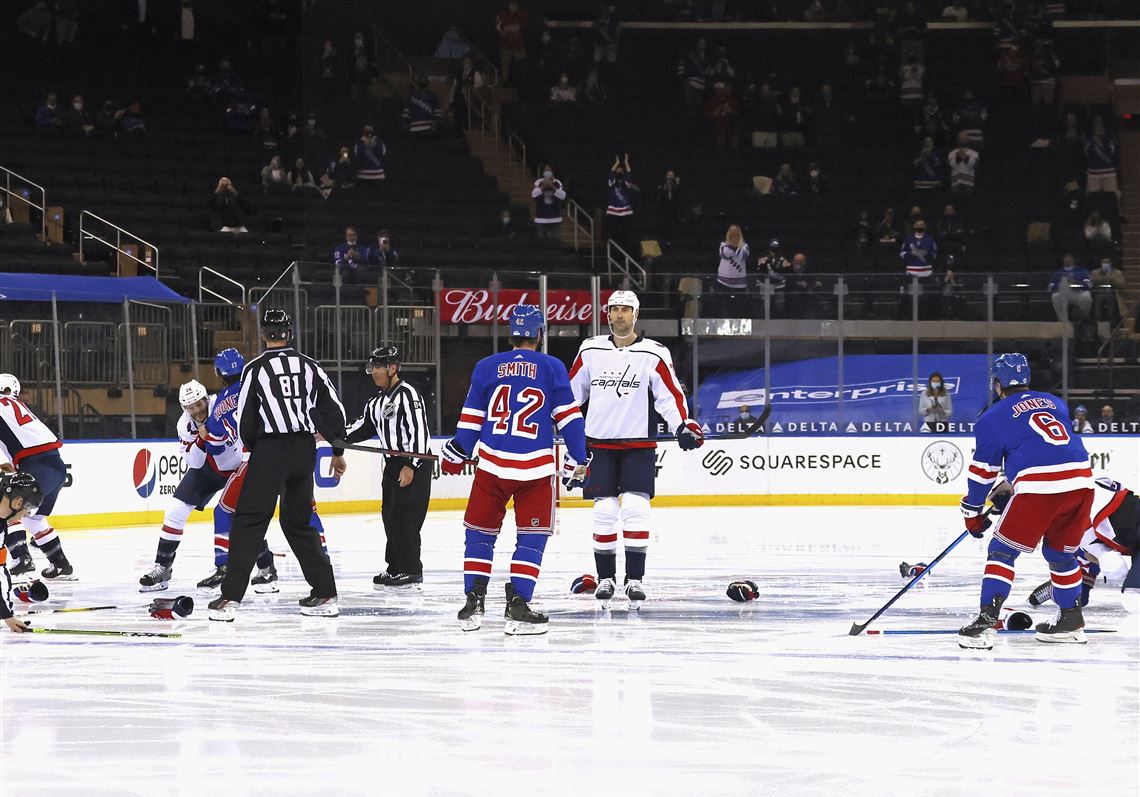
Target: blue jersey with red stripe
[223, 444]
[516, 401]
[1029, 435]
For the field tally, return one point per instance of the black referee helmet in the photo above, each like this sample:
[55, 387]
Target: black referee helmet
[384, 355]
[276, 325]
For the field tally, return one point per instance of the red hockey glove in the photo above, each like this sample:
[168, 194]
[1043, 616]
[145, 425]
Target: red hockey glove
[976, 522]
[452, 458]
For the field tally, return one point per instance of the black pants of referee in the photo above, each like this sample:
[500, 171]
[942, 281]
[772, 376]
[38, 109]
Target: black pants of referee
[403, 512]
[281, 466]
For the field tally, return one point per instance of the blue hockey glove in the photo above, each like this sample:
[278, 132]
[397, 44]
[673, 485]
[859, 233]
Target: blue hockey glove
[690, 436]
[575, 474]
[976, 522]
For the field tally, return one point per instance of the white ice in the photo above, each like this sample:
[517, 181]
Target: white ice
[696, 695]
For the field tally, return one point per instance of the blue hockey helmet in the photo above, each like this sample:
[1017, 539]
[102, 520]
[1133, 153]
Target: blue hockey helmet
[527, 321]
[229, 362]
[1011, 370]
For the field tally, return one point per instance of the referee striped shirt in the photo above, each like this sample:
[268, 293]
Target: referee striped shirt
[396, 416]
[285, 392]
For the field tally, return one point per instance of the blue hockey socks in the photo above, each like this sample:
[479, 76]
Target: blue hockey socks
[527, 562]
[999, 572]
[222, 522]
[478, 556]
[1065, 573]
[315, 522]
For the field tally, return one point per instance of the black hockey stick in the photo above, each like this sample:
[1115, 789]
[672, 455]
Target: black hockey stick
[750, 429]
[388, 451]
[857, 629]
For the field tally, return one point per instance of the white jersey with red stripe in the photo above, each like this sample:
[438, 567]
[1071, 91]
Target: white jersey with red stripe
[1028, 434]
[620, 385]
[22, 434]
[1108, 497]
[194, 448]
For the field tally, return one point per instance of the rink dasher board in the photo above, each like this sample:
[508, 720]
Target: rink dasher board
[117, 483]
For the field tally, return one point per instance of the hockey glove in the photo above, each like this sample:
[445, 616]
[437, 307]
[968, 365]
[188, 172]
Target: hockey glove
[690, 436]
[575, 474]
[452, 458]
[976, 522]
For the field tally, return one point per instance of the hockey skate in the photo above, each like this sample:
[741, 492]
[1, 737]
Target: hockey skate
[265, 582]
[979, 634]
[1068, 626]
[25, 564]
[313, 606]
[403, 581]
[471, 615]
[157, 579]
[521, 619]
[635, 592]
[214, 580]
[605, 592]
[1043, 594]
[59, 570]
[380, 581]
[223, 610]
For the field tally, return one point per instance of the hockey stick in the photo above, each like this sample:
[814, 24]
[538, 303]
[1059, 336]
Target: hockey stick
[388, 451]
[76, 609]
[916, 631]
[752, 428]
[857, 629]
[102, 633]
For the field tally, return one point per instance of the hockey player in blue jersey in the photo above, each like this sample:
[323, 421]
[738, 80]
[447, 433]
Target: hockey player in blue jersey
[1027, 434]
[516, 401]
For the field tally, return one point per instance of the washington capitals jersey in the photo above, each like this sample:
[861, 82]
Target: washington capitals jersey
[222, 440]
[1115, 520]
[22, 434]
[516, 401]
[1028, 433]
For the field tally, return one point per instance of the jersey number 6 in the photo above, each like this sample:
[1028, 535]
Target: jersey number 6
[500, 411]
[1051, 430]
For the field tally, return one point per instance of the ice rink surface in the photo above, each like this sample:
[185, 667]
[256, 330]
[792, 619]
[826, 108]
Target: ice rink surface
[694, 695]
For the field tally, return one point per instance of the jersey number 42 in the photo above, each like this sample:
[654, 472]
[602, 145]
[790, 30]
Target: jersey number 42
[516, 424]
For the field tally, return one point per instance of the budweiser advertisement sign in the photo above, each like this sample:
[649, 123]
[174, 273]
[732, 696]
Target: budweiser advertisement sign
[477, 305]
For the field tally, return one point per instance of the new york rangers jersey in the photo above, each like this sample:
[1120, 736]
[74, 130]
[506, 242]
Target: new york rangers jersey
[621, 384]
[22, 434]
[211, 452]
[223, 442]
[1027, 433]
[516, 401]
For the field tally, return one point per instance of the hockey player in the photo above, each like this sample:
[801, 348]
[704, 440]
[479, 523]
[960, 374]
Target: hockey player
[622, 375]
[27, 445]
[515, 401]
[20, 495]
[1028, 434]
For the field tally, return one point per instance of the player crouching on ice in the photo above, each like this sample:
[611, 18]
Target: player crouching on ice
[20, 495]
[1027, 433]
[515, 401]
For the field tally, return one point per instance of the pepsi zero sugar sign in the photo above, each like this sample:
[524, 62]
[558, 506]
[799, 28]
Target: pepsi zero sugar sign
[879, 393]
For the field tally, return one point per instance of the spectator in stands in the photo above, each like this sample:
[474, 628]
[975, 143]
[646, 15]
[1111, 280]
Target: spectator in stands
[732, 271]
[669, 196]
[48, 115]
[301, 180]
[369, 158]
[912, 77]
[471, 77]
[607, 32]
[505, 228]
[313, 134]
[762, 114]
[1097, 229]
[511, 26]
[228, 209]
[349, 256]
[1043, 68]
[547, 64]
[383, 254]
[955, 11]
[132, 125]
[721, 70]
[107, 121]
[1070, 288]
[927, 174]
[619, 210]
[817, 182]
[919, 251]
[594, 90]
[35, 23]
[793, 120]
[887, 231]
[963, 166]
[879, 90]
[723, 111]
[1108, 289]
[1107, 418]
[563, 92]
[914, 216]
[329, 70]
[1071, 217]
[863, 233]
[1081, 423]
[340, 175]
[1012, 67]
[363, 68]
[423, 112]
[744, 414]
[951, 303]
[970, 119]
[774, 265]
[931, 121]
[291, 146]
[77, 122]
[935, 405]
[265, 131]
[800, 295]
[274, 179]
[827, 120]
[694, 73]
[785, 183]
[548, 195]
[1102, 153]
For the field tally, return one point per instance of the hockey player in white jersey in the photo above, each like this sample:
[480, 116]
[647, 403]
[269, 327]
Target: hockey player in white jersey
[617, 378]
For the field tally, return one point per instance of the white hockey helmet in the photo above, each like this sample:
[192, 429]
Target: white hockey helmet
[191, 393]
[9, 385]
[624, 299]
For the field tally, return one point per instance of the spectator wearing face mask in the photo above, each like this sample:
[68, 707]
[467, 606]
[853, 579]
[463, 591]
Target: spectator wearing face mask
[912, 75]
[1109, 286]
[383, 254]
[48, 115]
[548, 195]
[619, 210]
[349, 256]
[745, 414]
[963, 167]
[816, 182]
[935, 404]
[563, 91]
[76, 121]
[1070, 288]
[1081, 423]
[504, 227]
[785, 183]
[919, 251]
[369, 158]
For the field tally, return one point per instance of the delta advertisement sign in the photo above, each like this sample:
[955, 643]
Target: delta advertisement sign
[478, 306]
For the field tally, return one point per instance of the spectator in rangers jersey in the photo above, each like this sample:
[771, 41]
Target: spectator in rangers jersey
[1102, 153]
[694, 72]
[369, 158]
[28, 446]
[970, 119]
[548, 195]
[919, 251]
[383, 254]
[732, 272]
[622, 375]
[20, 496]
[423, 112]
[349, 256]
[927, 168]
[963, 166]
[397, 416]
[619, 211]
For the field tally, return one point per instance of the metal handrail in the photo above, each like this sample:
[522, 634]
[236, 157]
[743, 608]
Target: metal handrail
[478, 108]
[476, 52]
[203, 289]
[581, 221]
[117, 246]
[393, 50]
[516, 149]
[627, 266]
[42, 207]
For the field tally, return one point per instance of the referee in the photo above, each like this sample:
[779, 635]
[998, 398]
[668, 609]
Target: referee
[396, 415]
[285, 397]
